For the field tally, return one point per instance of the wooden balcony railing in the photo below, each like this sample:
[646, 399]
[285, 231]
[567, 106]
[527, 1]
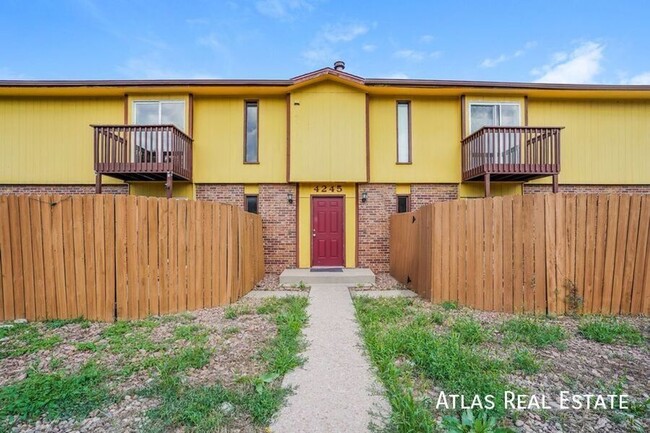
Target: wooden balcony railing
[143, 152]
[508, 153]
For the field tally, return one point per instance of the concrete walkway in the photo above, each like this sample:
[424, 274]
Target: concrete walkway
[335, 391]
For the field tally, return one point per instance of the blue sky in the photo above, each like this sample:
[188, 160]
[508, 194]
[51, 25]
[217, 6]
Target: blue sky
[553, 41]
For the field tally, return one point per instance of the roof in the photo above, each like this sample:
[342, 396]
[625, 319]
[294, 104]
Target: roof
[310, 78]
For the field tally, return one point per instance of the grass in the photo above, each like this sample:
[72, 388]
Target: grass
[210, 408]
[610, 330]
[236, 310]
[533, 331]
[523, 360]
[24, 338]
[449, 305]
[59, 323]
[56, 395]
[453, 361]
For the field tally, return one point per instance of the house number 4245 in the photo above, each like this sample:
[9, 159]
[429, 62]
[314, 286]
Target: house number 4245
[325, 188]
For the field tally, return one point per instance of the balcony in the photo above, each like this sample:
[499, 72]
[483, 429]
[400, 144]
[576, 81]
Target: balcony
[142, 153]
[511, 154]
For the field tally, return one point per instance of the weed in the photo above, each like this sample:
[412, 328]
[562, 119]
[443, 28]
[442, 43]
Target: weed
[231, 330]
[610, 330]
[22, 338]
[524, 360]
[55, 363]
[437, 317]
[449, 305]
[468, 423]
[236, 310]
[469, 331]
[128, 338]
[55, 395]
[59, 323]
[87, 346]
[534, 332]
[195, 334]
[271, 306]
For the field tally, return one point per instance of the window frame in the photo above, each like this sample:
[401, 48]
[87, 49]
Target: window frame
[257, 203]
[409, 135]
[408, 202]
[160, 103]
[257, 143]
[490, 103]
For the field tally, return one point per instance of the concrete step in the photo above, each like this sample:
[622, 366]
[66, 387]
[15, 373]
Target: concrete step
[347, 276]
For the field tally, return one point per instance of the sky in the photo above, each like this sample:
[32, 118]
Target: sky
[569, 41]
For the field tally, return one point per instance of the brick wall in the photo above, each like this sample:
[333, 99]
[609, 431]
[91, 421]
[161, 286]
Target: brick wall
[223, 193]
[589, 189]
[279, 226]
[278, 218]
[425, 193]
[62, 189]
[374, 216]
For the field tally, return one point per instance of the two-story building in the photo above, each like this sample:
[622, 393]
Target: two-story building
[324, 157]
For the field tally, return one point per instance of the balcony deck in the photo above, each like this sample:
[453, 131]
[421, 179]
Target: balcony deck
[142, 152]
[511, 154]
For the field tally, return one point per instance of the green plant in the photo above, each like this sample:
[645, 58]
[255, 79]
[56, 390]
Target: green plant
[449, 305]
[524, 360]
[56, 395]
[23, 338]
[469, 331]
[469, 423]
[195, 334]
[533, 331]
[610, 330]
[236, 310]
[87, 346]
[437, 317]
[59, 323]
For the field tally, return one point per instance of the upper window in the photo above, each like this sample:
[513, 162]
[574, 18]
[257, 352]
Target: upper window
[160, 113]
[493, 114]
[403, 132]
[251, 138]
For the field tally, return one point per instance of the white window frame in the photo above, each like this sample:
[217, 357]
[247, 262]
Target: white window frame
[159, 158]
[500, 104]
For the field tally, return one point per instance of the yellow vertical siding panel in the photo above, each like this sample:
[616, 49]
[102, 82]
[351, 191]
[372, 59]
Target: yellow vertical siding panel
[48, 140]
[219, 141]
[435, 130]
[328, 134]
[157, 189]
[604, 141]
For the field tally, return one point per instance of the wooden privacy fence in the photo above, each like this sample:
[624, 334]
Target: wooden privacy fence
[108, 257]
[552, 253]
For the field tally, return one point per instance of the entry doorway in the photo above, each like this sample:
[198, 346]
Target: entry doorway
[327, 231]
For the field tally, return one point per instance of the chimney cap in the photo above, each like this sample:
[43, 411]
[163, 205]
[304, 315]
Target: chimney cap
[339, 65]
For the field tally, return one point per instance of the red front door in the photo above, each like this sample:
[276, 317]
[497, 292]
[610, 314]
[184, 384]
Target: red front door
[327, 231]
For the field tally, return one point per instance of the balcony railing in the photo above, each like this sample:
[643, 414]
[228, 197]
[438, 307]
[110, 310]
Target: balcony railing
[143, 152]
[518, 153]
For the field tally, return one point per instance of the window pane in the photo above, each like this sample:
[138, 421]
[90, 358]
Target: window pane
[251, 203]
[403, 132]
[251, 132]
[173, 113]
[146, 113]
[510, 115]
[402, 203]
[482, 115]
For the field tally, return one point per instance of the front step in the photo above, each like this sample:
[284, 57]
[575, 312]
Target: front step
[347, 276]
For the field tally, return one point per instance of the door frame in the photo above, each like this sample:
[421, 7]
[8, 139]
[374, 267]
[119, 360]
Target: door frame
[311, 226]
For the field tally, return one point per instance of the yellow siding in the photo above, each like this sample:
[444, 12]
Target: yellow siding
[475, 190]
[49, 141]
[435, 131]
[251, 189]
[328, 134]
[157, 189]
[219, 141]
[305, 192]
[402, 189]
[604, 141]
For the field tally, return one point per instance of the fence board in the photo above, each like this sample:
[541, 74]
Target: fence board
[39, 271]
[553, 253]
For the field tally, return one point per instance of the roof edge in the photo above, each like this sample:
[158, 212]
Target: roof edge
[407, 82]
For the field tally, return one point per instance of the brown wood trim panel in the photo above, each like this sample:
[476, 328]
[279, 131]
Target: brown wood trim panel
[190, 120]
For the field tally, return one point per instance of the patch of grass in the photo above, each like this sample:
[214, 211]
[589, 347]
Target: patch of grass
[236, 310]
[449, 305]
[469, 331]
[533, 331]
[524, 360]
[87, 346]
[437, 317]
[610, 330]
[24, 338]
[231, 330]
[283, 352]
[55, 395]
[448, 361]
[195, 334]
[130, 337]
[59, 323]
